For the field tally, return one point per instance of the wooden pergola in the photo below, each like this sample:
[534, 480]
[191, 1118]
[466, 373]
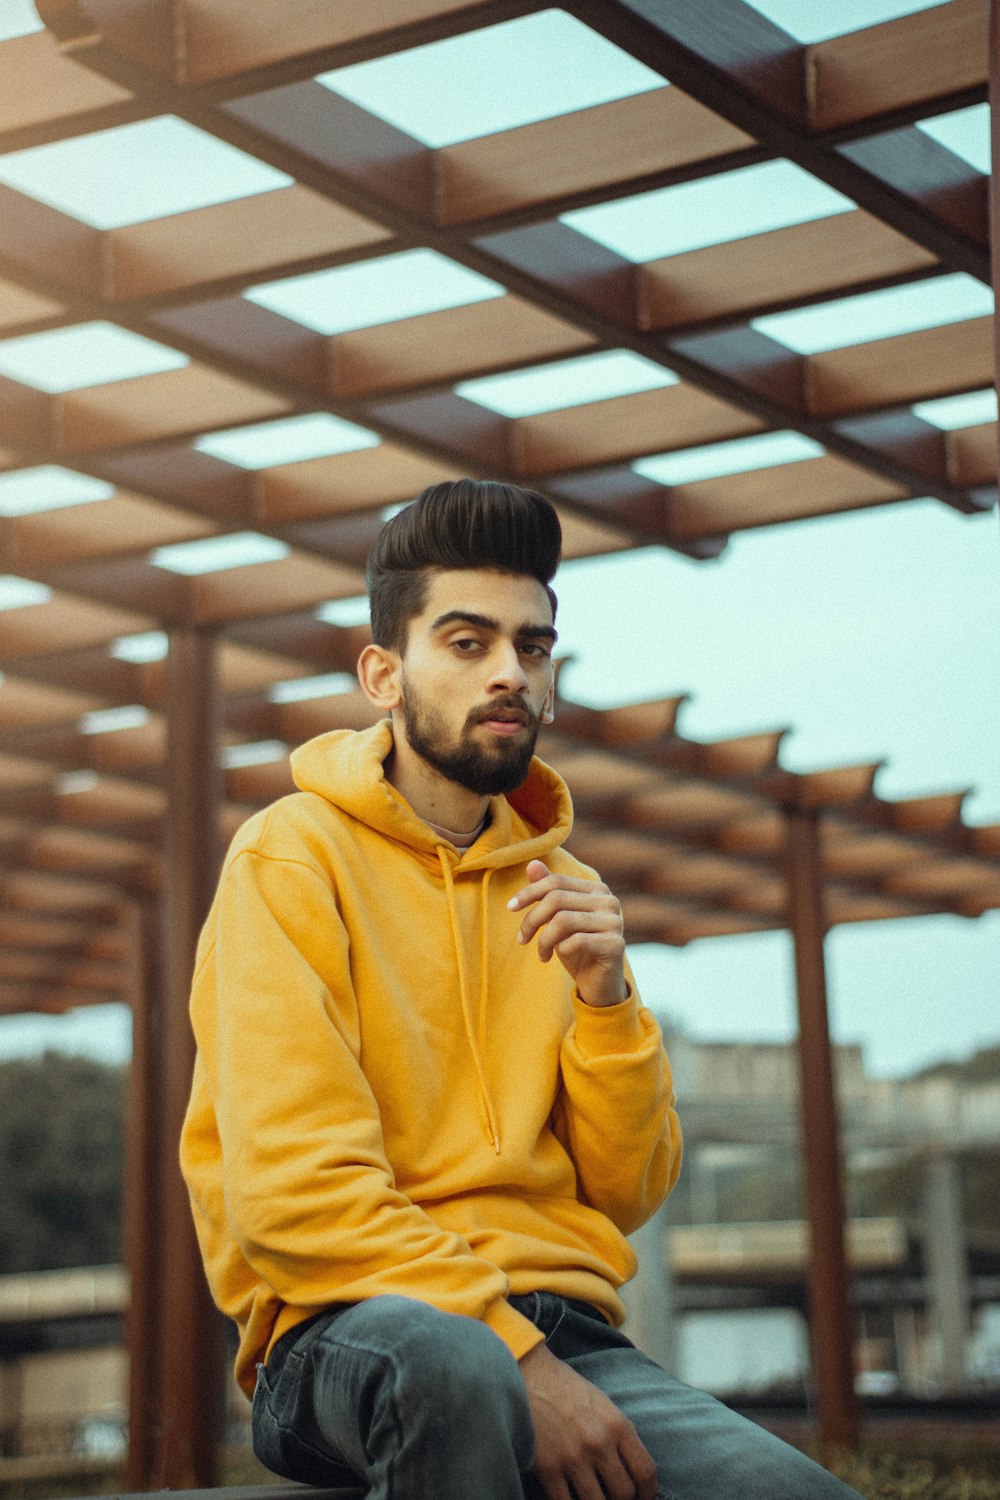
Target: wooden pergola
[138, 702]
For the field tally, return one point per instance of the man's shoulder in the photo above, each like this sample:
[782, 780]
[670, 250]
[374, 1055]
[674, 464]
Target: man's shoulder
[299, 826]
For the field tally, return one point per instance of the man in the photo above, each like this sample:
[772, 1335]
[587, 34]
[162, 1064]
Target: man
[427, 1105]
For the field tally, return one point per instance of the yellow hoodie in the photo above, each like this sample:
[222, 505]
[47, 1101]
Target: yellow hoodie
[392, 1094]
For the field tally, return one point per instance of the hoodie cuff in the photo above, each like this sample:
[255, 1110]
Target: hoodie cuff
[608, 1028]
[516, 1331]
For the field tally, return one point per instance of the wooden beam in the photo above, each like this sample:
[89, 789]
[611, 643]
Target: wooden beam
[336, 135]
[830, 1312]
[754, 75]
[912, 165]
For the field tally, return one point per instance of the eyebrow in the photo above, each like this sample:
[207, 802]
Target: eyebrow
[486, 622]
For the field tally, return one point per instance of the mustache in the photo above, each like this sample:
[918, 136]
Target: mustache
[509, 702]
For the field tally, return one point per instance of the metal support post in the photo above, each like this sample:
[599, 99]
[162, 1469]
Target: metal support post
[830, 1310]
[190, 1339]
[143, 1155]
[994, 180]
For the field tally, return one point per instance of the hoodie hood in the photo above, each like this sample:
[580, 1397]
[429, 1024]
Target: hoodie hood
[347, 768]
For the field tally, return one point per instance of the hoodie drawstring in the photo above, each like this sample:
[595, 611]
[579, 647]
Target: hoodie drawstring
[473, 1026]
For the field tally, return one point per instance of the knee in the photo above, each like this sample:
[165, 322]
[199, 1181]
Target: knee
[455, 1363]
[445, 1350]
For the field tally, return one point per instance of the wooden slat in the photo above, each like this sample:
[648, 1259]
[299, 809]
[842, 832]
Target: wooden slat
[52, 935]
[479, 339]
[24, 704]
[83, 532]
[583, 537]
[765, 497]
[19, 998]
[40, 968]
[766, 271]
[580, 152]
[48, 250]
[19, 306]
[364, 480]
[39, 83]
[223, 38]
[676, 416]
[233, 240]
[151, 407]
[269, 588]
[910, 367]
[911, 60]
[65, 622]
[972, 454]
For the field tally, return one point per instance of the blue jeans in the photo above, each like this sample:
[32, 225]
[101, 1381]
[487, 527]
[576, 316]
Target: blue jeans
[403, 1402]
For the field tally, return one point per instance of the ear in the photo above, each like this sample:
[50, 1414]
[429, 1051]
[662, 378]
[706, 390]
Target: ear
[380, 674]
[547, 714]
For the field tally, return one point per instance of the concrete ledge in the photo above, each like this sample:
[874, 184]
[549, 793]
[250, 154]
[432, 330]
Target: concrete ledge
[287, 1491]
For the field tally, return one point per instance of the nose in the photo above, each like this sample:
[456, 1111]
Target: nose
[507, 672]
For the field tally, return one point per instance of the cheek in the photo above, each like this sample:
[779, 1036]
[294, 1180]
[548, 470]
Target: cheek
[543, 684]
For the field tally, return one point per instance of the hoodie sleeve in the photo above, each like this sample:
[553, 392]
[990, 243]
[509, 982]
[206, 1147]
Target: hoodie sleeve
[294, 1158]
[616, 1112]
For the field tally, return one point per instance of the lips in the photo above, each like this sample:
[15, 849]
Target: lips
[503, 726]
[504, 717]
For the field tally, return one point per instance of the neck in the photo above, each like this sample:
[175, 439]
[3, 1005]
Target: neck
[448, 807]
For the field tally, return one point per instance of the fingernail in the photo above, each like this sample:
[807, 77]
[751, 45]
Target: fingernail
[512, 904]
[520, 935]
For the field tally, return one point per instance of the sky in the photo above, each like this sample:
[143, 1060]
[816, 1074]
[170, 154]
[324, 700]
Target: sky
[874, 635]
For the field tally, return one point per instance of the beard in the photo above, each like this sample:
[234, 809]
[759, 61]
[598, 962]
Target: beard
[487, 770]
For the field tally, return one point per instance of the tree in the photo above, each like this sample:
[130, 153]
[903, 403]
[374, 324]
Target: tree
[982, 1067]
[61, 1148]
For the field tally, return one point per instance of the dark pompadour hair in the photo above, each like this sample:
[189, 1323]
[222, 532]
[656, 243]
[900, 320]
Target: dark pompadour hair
[465, 523]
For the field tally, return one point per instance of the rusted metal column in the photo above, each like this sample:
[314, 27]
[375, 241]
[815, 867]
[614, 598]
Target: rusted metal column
[994, 182]
[830, 1310]
[190, 1344]
[143, 1151]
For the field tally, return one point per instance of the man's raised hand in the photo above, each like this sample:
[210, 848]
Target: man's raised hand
[580, 921]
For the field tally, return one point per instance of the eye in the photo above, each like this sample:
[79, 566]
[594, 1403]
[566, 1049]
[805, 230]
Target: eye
[465, 645]
[532, 648]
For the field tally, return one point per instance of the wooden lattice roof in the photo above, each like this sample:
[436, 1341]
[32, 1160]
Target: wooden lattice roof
[115, 468]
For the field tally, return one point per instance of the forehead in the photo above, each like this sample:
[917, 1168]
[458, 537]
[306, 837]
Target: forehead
[512, 599]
